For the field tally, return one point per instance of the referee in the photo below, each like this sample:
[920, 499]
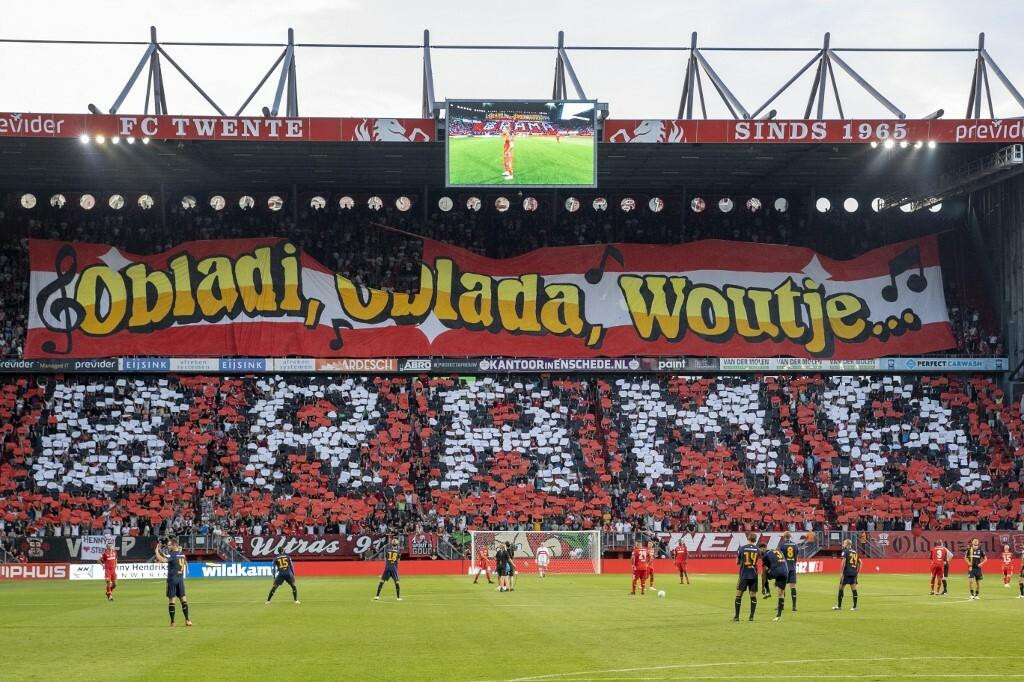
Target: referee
[501, 562]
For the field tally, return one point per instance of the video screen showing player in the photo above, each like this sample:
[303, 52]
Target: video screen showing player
[521, 144]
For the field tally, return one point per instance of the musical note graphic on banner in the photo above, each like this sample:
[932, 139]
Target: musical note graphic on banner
[901, 263]
[338, 324]
[67, 312]
[594, 275]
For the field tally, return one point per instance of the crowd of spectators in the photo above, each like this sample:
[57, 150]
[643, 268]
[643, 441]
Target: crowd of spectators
[319, 454]
[313, 455]
[353, 242]
[457, 127]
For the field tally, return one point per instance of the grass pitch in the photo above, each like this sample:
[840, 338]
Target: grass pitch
[559, 628]
[538, 160]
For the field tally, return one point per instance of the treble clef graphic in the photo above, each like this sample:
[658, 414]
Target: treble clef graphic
[67, 312]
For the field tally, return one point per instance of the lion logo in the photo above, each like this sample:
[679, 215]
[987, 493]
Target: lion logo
[651, 131]
[388, 130]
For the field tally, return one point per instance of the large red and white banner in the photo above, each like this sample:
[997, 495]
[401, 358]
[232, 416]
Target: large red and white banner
[233, 128]
[257, 128]
[834, 131]
[266, 298]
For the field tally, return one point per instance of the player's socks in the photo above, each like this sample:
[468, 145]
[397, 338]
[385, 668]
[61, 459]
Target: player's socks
[782, 605]
[739, 602]
[854, 598]
[753, 606]
[398, 590]
[272, 591]
[1021, 586]
[792, 593]
[944, 590]
[839, 604]
[379, 586]
[170, 611]
[295, 594]
[184, 610]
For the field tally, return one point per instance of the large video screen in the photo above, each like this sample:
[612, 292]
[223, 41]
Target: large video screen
[532, 143]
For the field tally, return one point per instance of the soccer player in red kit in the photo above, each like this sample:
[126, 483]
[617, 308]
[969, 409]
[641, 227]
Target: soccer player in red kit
[109, 561]
[482, 565]
[939, 556]
[506, 153]
[640, 561]
[1007, 565]
[680, 554]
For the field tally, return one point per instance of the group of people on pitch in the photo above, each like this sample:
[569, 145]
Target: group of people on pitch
[779, 566]
[975, 557]
[505, 566]
[642, 561]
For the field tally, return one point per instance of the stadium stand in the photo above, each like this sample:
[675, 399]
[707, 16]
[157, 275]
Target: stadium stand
[352, 242]
[320, 454]
[324, 454]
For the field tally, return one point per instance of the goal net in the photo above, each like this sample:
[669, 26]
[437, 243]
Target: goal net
[569, 551]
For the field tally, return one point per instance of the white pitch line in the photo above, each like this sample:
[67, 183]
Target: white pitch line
[900, 676]
[797, 661]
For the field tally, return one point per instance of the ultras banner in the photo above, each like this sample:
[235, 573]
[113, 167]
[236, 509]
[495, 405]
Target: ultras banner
[266, 298]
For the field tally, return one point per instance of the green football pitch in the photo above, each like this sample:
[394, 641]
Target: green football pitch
[559, 628]
[538, 160]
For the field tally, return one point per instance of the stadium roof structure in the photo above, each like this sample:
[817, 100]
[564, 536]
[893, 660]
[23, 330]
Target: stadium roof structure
[754, 151]
[264, 166]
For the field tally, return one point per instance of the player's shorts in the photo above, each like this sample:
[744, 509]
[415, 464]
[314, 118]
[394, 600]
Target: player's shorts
[681, 567]
[390, 572]
[974, 574]
[791, 576]
[781, 579]
[938, 572]
[285, 577]
[746, 584]
[640, 574]
[110, 577]
[849, 580]
[175, 588]
[542, 561]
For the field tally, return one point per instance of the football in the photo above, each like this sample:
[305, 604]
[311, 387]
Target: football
[661, 594]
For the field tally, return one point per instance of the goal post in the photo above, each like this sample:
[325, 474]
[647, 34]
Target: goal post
[570, 551]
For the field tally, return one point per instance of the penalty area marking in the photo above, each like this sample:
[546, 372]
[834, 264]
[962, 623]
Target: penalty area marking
[795, 661]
